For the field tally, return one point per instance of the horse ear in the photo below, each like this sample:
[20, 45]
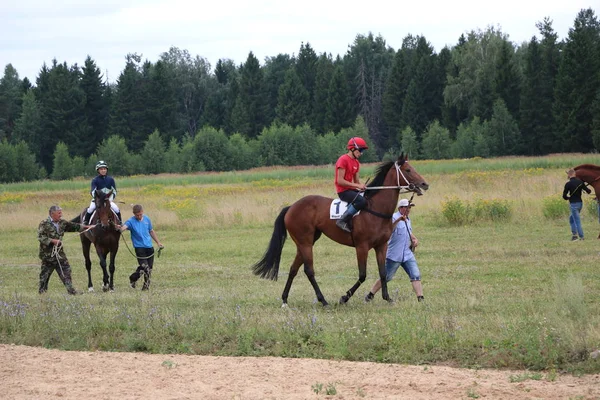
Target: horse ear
[401, 159]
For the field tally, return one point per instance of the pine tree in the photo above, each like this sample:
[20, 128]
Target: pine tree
[577, 82]
[293, 100]
[306, 68]
[339, 113]
[274, 72]
[96, 108]
[249, 110]
[550, 60]
[11, 96]
[124, 116]
[369, 61]
[393, 97]
[504, 137]
[531, 116]
[63, 165]
[62, 105]
[153, 154]
[507, 80]
[436, 142]
[28, 128]
[325, 70]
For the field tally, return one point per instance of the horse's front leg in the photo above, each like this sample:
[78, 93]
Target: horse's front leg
[380, 252]
[102, 258]
[362, 253]
[111, 269]
[85, 245]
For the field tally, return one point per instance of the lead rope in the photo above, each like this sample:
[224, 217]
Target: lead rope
[55, 253]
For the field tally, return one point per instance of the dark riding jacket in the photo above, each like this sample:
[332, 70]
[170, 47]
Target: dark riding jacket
[103, 183]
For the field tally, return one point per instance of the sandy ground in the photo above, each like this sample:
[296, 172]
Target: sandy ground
[37, 373]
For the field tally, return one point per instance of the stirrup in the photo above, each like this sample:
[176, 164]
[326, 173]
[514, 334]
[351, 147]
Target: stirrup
[343, 225]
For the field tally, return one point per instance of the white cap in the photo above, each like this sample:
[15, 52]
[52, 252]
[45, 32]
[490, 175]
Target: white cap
[404, 203]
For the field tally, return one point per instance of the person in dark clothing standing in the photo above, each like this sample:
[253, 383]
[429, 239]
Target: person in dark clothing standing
[572, 192]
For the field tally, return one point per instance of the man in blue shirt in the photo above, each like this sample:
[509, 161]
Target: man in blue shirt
[142, 234]
[400, 250]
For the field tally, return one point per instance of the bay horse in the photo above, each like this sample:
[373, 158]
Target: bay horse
[309, 217]
[105, 238]
[590, 174]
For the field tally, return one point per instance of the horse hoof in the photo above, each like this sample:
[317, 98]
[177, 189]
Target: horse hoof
[344, 299]
[284, 305]
[90, 289]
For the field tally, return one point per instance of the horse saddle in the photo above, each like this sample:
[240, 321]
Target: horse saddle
[338, 208]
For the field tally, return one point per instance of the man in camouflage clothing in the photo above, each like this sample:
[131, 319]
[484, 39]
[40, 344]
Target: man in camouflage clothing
[50, 233]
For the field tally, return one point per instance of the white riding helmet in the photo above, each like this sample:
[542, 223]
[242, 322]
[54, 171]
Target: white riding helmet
[101, 164]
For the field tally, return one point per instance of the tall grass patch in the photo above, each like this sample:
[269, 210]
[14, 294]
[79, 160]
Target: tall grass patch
[460, 212]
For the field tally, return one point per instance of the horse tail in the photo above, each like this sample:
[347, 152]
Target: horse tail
[268, 266]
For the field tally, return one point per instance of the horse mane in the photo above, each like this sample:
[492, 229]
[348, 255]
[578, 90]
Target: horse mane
[380, 174]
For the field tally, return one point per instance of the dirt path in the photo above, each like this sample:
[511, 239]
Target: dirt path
[37, 373]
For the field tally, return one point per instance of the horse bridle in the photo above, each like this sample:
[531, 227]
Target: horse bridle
[409, 188]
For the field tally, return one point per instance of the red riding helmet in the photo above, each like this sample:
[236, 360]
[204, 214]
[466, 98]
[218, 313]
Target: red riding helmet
[357, 143]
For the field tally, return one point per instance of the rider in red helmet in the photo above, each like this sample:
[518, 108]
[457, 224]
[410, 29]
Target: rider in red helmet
[347, 181]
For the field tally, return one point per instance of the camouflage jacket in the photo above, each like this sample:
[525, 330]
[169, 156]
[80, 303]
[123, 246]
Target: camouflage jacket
[47, 232]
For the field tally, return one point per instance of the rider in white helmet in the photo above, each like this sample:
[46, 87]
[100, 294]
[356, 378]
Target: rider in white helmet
[104, 183]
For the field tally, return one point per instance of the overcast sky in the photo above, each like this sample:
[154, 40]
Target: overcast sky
[36, 31]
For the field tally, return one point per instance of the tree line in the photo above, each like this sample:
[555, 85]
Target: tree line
[484, 96]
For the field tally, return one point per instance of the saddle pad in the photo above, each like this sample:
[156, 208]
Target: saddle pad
[338, 208]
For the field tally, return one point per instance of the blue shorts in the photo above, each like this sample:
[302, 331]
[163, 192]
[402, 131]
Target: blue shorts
[410, 266]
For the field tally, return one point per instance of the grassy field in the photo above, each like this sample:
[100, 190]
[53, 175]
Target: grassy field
[513, 292]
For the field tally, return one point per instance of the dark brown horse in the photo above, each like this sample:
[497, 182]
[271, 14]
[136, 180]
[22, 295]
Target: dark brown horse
[590, 174]
[105, 238]
[309, 217]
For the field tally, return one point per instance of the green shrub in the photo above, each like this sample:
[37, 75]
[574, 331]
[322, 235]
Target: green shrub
[554, 207]
[455, 211]
[592, 208]
[458, 212]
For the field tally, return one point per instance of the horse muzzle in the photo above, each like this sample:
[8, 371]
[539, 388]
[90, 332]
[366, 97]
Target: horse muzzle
[418, 189]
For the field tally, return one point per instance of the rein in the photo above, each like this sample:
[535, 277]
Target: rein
[141, 258]
[130, 252]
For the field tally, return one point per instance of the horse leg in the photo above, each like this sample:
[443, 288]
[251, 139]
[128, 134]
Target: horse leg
[309, 270]
[293, 272]
[380, 252]
[85, 245]
[102, 258]
[111, 269]
[361, 254]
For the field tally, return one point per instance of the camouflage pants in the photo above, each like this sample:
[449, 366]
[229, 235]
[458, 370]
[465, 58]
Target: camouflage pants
[64, 273]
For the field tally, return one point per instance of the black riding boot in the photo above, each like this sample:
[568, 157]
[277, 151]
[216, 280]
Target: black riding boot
[119, 216]
[345, 223]
[86, 219]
